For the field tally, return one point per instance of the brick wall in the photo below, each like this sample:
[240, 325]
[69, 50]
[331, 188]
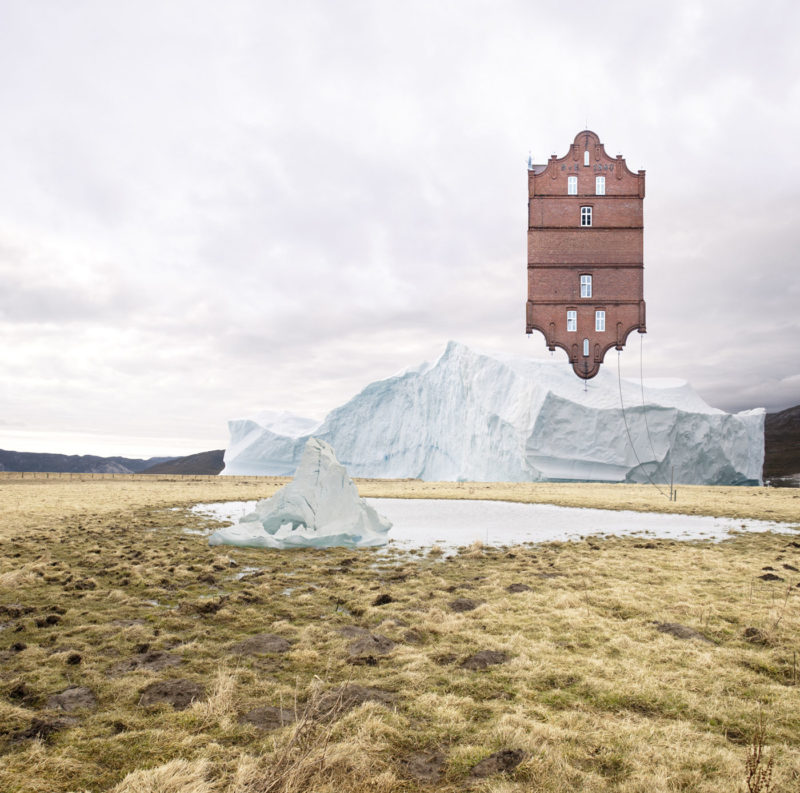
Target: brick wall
[560, 250]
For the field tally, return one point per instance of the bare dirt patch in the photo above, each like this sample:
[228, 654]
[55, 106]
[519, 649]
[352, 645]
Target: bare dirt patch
[71, 699]
[681, 631]
[268, 717]
[261, 644]
[484, 659]
[153, 661]
[502, 762]
[179, 693]
[463, 604]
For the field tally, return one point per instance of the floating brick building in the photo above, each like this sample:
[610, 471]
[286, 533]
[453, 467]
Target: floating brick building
[585, 252]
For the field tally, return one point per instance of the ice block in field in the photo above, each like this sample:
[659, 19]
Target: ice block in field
[319, 508]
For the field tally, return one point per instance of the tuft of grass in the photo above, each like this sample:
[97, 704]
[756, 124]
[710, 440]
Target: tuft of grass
[177, 776]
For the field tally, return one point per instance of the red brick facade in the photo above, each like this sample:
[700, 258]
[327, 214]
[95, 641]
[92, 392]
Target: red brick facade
[564, 250]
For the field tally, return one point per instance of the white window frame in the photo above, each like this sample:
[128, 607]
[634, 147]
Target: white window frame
[600, 185]
[586, 157]
[586, 216]
[586, 348]
[600, 321]
[572, 185]
[572, 321]
[586, 286]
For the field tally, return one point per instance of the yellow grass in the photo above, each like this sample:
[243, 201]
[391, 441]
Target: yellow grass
[591, 691]
[26, 497]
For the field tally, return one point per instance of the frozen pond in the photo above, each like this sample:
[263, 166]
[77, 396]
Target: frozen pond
[421, 523]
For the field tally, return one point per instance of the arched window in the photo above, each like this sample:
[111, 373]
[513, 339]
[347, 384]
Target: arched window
[586, 348]
[572, 185]
[586, 157]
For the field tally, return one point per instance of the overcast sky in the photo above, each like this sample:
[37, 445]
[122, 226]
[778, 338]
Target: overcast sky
[212, 208]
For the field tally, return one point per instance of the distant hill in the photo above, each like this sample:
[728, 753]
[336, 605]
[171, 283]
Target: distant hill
[74, 463]
[200, 463]
[782, 444]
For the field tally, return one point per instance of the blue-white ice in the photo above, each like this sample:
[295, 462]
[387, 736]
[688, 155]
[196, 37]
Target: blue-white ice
[489, 417]
[319, 508]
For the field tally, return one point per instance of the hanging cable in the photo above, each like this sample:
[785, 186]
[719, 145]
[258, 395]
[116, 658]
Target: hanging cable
[628, 431]
[641, 383]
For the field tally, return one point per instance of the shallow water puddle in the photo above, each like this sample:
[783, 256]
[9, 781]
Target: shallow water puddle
[423, 523]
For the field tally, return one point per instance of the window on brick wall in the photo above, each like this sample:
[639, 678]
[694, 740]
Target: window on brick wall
[586, 348]
[572, 320]
[586, 216]
[586, 157]
[600, 320]
[600, 185]
[586, 286]
[572, 185]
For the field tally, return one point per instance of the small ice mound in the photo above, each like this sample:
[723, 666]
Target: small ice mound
[319, 508]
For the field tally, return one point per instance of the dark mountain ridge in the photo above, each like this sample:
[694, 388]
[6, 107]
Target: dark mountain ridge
[74, 463]
[782, 445]
[200, 463]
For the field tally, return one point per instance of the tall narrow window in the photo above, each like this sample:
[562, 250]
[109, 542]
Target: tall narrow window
[586, 348]
[586, 157]
[600, 320]
[586, 286]
[600, 185]
[572, 185]
[586, 216]
[572, 320]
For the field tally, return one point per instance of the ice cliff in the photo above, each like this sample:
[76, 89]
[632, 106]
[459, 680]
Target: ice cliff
[478, 416]
[319, 508]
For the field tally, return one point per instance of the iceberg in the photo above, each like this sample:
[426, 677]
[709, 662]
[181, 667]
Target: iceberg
[492, 417]
[319, 508]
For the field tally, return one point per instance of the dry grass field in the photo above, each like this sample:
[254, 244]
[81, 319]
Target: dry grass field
[136, 659]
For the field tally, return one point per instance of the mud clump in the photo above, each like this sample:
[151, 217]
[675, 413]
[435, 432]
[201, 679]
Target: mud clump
[15, 610]
[423, 766]
[48, 621]
[681, 631]
[179, 693]
[519, 587]
[261, 644]
[352, 631]
[484, 659]
[373, 644]
[42, 729]
[382, 600]
[755, 635]
[73, 698]
[463, 604]
[153, 661]
[21, 692]
[268, 717]
[502, 762]
[337, 701]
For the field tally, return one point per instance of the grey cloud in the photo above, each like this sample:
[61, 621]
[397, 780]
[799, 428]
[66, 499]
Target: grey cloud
[206, 210]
